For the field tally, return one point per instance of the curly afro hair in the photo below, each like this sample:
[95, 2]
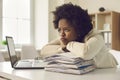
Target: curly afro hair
[77, 18]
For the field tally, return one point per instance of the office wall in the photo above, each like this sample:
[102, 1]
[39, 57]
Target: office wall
[40, 22]
[0, 20]
[94, 5]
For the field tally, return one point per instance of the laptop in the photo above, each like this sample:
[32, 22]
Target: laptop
[21, 64]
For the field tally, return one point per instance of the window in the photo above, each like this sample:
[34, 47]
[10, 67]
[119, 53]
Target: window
[16, 20]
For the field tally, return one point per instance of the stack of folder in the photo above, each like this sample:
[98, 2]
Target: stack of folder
[68, 63]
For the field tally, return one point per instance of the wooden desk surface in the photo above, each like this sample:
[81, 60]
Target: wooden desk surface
[41, 74]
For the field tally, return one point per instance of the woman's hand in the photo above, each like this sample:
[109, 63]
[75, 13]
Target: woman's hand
[63, 43]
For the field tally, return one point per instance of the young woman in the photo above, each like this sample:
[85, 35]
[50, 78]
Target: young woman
[78, 37]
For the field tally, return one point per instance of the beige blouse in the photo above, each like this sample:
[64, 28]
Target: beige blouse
[93, 48]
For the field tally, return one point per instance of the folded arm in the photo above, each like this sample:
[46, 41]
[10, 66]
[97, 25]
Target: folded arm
[51, 48]
[86, 50]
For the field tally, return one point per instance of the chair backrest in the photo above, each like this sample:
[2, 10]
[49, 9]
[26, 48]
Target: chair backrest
[29, 52]
[1, 57]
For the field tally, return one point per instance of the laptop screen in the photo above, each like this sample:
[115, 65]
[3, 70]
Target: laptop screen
[11, 50]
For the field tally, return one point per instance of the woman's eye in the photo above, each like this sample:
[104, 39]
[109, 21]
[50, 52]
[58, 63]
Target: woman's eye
[59, 30]
[66, 30]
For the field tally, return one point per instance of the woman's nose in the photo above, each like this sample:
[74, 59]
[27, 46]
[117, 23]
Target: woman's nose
[62, 33]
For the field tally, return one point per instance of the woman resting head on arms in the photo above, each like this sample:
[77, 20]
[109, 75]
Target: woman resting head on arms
[78, 37]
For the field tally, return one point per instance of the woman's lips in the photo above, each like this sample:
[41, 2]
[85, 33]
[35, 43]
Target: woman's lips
[62, 38]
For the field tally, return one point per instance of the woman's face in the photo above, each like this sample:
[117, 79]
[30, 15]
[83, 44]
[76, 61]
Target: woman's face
[66, 31]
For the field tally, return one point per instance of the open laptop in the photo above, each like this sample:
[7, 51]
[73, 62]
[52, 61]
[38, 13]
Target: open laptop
[21, 64]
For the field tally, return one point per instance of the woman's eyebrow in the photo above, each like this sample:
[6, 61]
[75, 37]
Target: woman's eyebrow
[67, 28]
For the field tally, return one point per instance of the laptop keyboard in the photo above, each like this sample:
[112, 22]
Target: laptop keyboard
[34, 63]
[24, 64]
[38, 63]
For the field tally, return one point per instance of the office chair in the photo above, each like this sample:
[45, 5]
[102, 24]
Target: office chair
[29, 52]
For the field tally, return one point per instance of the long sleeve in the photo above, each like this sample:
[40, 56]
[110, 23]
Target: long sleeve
[87, 50]
[51, 49]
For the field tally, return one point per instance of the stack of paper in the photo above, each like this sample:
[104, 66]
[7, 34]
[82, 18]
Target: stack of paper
[68, 63]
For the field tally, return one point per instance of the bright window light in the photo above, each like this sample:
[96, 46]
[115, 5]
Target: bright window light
[16, 20]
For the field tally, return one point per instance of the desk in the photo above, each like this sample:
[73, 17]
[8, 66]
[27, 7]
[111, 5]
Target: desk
[41, 74]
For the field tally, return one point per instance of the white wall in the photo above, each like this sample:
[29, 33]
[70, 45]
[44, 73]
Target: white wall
[0, 23]
[72, 1]
[0, 20]
[94, 5]
[41, 22]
